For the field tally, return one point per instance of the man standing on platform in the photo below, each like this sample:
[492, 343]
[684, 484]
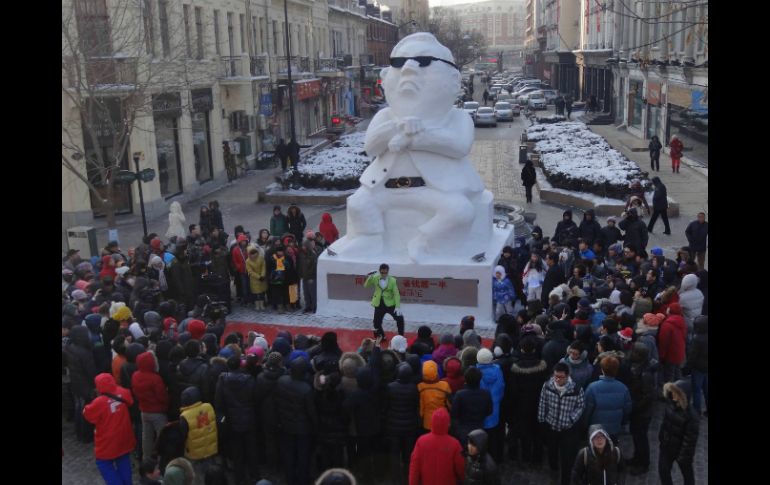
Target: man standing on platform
[386, 299]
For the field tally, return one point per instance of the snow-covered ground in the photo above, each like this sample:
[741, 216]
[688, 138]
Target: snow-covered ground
[572, 156]
[344, 159]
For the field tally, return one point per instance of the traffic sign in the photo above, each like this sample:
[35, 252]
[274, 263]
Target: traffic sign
[147, 175]
[125, 177]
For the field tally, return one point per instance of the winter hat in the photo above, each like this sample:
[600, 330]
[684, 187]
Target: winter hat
[274, 360]
[471, 339]
[184, 337]
[615, 297]
[152, 319]
[122, 314]
[211, 344]
[242, 237]
[196, 328]
[484, 356]
[584, 303]
[226, 352]
[653, 319]
[424, 332]
[467, 323]
[285, 335]
[262, 343]
[298, 353]
[446, 338]
[80, 295]
[136, 330]
[310, 234]
[336, 476]
[301, 342]
[656, 251]
[81, 284]
[612, 219]
[626, 334]
[256, 351]
[281, 345]
[398, 344]
[498, 269]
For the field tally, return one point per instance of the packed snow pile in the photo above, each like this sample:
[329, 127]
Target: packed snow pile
[574, 158]
[551, 119]
[337, 167]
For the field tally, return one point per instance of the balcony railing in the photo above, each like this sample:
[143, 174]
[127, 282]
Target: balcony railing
[326, 65]
[232, 66]
[259, 66]
[304, 64]
[115, 71]
[283, 64]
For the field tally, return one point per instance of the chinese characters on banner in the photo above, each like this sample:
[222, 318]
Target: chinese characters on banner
[308, 89]
[433, 291]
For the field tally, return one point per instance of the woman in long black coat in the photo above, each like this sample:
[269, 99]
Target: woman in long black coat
[528, 178]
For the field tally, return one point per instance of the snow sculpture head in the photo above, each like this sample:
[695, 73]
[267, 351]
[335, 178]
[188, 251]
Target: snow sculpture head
[414, 90]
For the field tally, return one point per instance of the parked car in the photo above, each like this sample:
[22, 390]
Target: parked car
[485, 117]
[536, 100]
[503, 111]
[470, 107]
[517, 94]
[503, 96]
[550, 95]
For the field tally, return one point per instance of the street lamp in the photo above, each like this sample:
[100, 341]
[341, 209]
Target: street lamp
[411, 22]
[137, 156]
[288, 69]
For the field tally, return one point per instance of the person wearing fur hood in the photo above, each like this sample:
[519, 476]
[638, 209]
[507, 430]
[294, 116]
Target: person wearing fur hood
[528, 375]
[350, 362]
[179, 471]
[599, 463]
[678, 433]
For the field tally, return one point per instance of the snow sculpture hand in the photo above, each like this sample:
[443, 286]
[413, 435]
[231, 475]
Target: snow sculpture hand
[410, 125]
[398, 143]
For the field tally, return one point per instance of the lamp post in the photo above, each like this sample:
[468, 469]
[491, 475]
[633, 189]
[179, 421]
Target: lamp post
[288, 69]
[137, 156]
[411, 22]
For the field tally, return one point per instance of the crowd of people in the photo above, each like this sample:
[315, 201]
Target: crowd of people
[591, 332]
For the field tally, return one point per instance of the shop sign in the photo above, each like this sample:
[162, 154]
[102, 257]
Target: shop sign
[428, 291]
[679, 95]
[308, 89]
[202, 99]
[266, 104]
[653, 93]
[700, 101]
[167, 104]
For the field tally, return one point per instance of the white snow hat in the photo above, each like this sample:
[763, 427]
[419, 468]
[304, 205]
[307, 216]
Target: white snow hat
[136, 330]
[398, 344]
[615, 297]
[484, 356]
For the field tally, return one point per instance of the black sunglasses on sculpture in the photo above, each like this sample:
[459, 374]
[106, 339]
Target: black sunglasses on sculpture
[424, 61]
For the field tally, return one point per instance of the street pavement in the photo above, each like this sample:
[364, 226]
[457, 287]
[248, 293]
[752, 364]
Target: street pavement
[495, 156]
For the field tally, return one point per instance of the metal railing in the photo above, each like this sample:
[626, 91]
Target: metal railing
[283, 64]
[304, 64]
[231, 66]
[258, 65]
[326, 65]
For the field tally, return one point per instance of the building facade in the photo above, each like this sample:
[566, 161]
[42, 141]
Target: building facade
[501, 22]
[562, 38]
[196, 81]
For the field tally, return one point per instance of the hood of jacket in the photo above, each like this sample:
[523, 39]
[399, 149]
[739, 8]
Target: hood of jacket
[678, 391]
[689, 282]
[185, 466]
[471, 339]
[479, 439]
[133, 350]
[147, 362]
[468, 356]
[190, 396]
[105, 383]
[440, 422]
[589, 212]
[529, 365]
[350, 362]
[595, 429]
[298, 368]
[415, 363]
[80, 337]
[453, 367]
[504, 341]
[404, 373]
[640, 354]
[326, 218]
[429, 371]
[364, 378]
[567, 213]
[94, 323]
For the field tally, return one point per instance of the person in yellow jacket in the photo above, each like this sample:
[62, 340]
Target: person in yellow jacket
[198, 423]
[386, 299]
[255, 268]
[434, 394]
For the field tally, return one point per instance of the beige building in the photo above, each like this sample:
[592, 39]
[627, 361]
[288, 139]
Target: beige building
[189, 78]
[501, 22]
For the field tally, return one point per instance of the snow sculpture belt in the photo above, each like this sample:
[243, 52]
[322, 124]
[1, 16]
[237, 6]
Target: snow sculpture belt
[404, 182]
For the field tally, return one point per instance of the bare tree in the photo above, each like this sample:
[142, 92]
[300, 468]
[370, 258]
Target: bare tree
[466, 46]
[115, 61]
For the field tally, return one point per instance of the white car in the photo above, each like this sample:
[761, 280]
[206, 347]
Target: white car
[536, 100]
[470, 107]
[485, 117]
[550, 95]
[503, 111]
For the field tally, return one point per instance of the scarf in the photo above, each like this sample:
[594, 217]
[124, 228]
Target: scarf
[279, 266]
[562, 389]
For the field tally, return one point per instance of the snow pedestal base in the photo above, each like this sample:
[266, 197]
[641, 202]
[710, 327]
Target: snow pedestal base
[439, 291]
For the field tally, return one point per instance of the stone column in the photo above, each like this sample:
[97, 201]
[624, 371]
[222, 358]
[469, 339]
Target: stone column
[665, 31]
[645, 28]
[617, 31]
[689, 40]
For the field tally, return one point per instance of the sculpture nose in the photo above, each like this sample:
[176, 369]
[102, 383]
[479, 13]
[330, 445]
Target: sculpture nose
[411, 65]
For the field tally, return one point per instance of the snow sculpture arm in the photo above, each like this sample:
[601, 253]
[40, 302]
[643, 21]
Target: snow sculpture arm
[453, 139]
[381, 130]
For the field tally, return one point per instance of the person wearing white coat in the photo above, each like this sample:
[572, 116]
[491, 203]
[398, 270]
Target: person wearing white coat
[691, 300]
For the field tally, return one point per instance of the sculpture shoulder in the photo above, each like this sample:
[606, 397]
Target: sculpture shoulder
[458, 118]
[382, 116]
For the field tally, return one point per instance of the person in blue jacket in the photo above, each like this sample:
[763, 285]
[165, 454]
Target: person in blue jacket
[503, 293]
[492, 380]
[608, 401]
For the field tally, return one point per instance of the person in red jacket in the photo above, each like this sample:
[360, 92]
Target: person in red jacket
[671, 343]
[437, 458]
[151, 393]
[453, 372]
[327, 228]
[676, 147]
[238, 255]
[114, 437]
